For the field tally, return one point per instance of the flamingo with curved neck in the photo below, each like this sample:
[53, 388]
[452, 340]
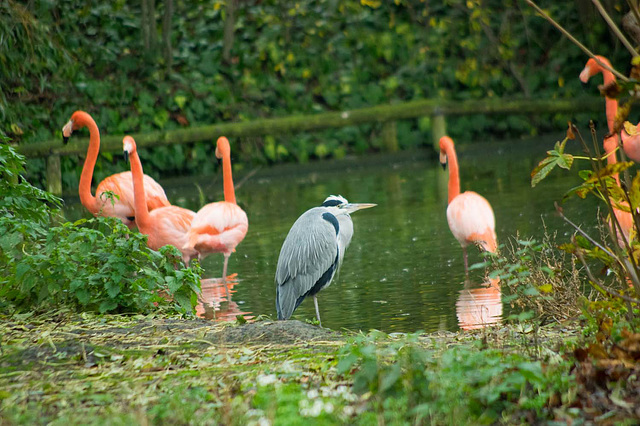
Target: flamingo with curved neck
[121, 184]
[469, 214]
[165, 225]
[630, 143]
[219, 227]
[592, 68]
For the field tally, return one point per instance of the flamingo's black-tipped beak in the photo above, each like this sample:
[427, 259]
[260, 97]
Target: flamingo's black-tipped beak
[65, 139]
[443, 160]
[126, 156]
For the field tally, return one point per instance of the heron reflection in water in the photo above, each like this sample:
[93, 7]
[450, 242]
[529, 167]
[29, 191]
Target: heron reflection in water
[480, 307]
[213, 302]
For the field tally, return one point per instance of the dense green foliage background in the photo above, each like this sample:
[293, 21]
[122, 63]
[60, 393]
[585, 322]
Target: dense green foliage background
[289, 57]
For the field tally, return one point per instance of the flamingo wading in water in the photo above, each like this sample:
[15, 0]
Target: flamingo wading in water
[121, 184]
[219, 227]
[164, 225]
[469, 214]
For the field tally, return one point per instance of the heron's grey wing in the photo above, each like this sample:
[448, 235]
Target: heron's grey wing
[308, 253]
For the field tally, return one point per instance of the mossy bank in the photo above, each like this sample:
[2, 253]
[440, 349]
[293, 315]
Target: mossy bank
[66, 368]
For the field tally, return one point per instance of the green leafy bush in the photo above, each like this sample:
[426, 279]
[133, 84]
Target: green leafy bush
[99, 265]
[96, 264]
[461, 385]
[19, 201]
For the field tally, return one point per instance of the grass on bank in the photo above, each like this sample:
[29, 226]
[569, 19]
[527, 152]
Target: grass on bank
[69, 369]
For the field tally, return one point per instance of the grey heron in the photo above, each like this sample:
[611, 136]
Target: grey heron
[313, 252]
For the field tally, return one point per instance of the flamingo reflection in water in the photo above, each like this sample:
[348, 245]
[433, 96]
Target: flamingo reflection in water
[213, 302]
[480, 307]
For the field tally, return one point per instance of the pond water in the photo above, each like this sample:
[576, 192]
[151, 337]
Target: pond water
[404, 269]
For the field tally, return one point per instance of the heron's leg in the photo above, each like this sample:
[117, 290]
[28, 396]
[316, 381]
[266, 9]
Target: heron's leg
[224, 275]
[315, 302]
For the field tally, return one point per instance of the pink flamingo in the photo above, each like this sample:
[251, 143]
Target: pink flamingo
[121, 184]
[219, 227]
[630, 143]
[469, 214]
[164, 225]
[591, 69]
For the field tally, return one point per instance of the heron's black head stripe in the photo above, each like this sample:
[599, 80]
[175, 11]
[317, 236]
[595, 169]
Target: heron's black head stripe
[332, 220]
[331, 203]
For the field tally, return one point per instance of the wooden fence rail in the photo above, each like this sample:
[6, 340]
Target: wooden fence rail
[388, 114]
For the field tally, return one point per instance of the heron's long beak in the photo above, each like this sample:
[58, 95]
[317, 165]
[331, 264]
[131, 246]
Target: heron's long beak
[126, 156]
[352, 207]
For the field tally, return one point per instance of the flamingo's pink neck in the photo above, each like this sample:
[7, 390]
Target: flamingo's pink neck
[454, 176]
[611, 105]
[140, 201]
[229, 192]
[610, 145]
[611, 108]
[84, 188]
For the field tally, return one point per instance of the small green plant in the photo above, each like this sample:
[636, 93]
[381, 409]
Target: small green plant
[540, 281]
[19, 200]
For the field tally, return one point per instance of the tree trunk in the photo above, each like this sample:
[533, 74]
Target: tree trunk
[166, 34]
[229, 25]
[151, 23]
[143, 23]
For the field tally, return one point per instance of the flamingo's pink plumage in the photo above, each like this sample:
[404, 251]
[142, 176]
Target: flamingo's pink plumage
[469, 214]
[121, 184]
[165, 225]
[219, 227]
[591, 69]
